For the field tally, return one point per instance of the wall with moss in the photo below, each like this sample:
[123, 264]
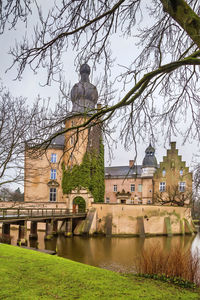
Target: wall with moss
[134, 219]
[89, 174]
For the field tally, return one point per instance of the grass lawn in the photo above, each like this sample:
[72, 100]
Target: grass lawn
[26, 274]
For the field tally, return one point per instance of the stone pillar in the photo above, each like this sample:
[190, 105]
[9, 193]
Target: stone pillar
[140, 224]
[33, 232]
[168, 226]
[6, 238]
[22, 234]
[51, 229]
[108, 225]
[68, 228]
[55, 227]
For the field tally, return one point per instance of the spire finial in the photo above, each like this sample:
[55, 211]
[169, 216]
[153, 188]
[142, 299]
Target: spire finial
[85, 72]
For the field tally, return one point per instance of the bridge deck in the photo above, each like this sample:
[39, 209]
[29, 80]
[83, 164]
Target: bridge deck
[34, 214]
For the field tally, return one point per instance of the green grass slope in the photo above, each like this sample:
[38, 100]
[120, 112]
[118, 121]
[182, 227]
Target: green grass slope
[26, 274]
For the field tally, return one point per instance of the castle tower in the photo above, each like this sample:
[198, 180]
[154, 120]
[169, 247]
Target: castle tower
[83, 155]
[149, 164]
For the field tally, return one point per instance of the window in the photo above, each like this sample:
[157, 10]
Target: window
[132, 187]
[52, 195]
[182, 186]
[53, 173]
[162, 186]
[107, 200]
[181, 172]
[115, 188]
[53, 157]
[140, 188]
[163, 172]
[148, 201]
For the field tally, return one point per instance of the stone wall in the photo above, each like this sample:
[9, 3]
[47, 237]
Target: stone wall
[37, 181]
[143, 219]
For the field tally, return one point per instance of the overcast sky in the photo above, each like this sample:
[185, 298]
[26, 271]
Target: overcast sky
[30, 87]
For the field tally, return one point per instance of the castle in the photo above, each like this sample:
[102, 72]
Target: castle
[71, 172]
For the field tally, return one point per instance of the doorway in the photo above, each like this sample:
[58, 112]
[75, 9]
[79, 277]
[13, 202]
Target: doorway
[79, 204]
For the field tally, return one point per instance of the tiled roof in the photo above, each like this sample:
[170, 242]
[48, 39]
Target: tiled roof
[123, 172]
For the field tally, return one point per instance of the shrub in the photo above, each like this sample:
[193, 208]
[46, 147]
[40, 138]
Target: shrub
[177, 266]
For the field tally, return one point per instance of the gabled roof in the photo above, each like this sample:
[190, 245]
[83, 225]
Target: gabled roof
[123, 172]
[58, 142]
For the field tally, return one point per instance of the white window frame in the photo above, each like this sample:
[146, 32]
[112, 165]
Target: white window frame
[182, 186]
[115, 188]
[107, 200]
[53, 174]
[52, 194]
[162, 186]
[53, 158]
[139, 188]
[132, 187]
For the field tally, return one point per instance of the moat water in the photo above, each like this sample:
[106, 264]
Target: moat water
[116, 253]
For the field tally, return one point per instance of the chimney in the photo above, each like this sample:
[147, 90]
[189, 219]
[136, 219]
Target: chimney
[131, 163]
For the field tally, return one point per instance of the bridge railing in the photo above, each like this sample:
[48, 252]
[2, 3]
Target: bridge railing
[12, 213]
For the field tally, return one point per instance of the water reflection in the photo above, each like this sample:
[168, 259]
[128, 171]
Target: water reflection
[117, 253]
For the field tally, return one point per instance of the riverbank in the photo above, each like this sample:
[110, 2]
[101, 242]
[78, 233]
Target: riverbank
[27, 274]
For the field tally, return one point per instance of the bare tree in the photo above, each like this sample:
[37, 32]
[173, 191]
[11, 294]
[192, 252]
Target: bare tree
[167, 67]
[173, 196]
[8, 195]
[20, 125]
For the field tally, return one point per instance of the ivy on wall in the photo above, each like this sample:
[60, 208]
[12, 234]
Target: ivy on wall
[89, 174]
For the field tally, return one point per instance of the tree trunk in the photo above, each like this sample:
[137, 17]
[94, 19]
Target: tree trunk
[182, 13]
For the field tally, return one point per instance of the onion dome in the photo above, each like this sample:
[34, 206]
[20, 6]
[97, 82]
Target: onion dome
[149, 159]
[84, 95]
